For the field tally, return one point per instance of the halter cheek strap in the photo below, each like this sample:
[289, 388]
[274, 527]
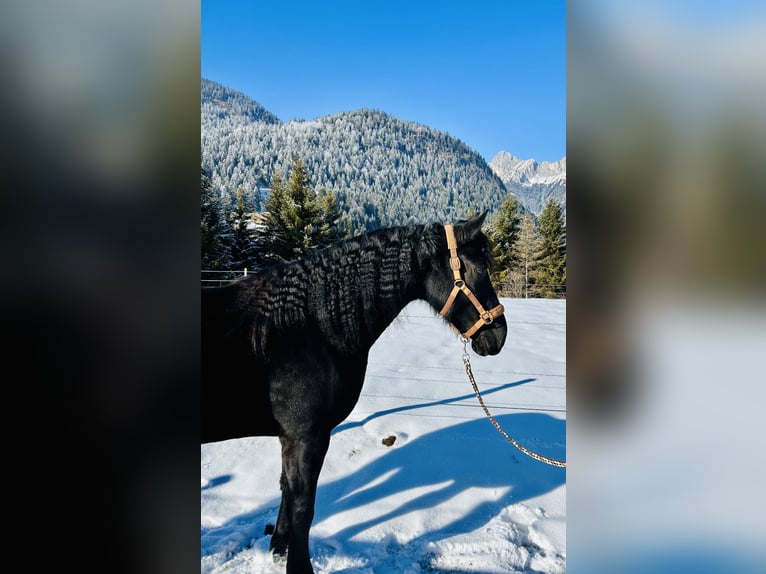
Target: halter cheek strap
[485, 317]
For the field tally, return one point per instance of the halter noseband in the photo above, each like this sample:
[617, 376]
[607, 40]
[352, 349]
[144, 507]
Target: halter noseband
[485, 317]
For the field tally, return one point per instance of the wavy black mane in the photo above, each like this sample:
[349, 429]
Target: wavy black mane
[351, 290]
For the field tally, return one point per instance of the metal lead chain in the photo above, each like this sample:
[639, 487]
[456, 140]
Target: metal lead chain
[469, 372]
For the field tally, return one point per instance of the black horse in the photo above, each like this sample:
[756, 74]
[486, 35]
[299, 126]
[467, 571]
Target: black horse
[284, 351]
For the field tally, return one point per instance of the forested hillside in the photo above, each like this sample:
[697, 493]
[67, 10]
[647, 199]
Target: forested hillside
[273, 189]
[383, 171]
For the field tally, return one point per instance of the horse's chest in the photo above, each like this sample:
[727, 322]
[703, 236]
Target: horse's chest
[312, 384]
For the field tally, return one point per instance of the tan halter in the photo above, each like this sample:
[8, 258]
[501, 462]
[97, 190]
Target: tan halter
[485, 317]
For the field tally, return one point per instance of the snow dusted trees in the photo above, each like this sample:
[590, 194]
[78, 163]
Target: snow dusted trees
[215, 236]
[551, 272]
[298, 219]
[503, 233]
[525, 256]
[530, 257]
[243, 249]
[382, 170]
[374, 169]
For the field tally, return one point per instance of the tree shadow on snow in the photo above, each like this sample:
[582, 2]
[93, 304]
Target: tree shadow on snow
[373, 416]
[457, 458]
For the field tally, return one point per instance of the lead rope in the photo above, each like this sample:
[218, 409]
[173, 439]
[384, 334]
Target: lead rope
[469, 372]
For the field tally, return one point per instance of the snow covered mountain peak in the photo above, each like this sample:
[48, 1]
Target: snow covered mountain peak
[528, 172]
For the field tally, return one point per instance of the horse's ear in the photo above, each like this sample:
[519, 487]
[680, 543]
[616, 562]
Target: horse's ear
[467, 230]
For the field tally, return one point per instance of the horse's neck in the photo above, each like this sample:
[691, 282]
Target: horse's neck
[372, 286]
[396, 288]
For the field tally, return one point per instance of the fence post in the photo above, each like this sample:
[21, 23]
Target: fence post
[245, 275]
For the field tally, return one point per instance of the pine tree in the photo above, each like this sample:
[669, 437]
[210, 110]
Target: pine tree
[550, 275]
[503, 233]
[333, 226]
[524, 254]
[298, 219]
[242, 244]
[214, 233]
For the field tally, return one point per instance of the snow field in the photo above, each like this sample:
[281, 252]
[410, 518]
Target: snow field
[450, 494]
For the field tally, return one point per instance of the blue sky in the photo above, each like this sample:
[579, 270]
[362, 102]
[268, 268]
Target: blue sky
[491, 73]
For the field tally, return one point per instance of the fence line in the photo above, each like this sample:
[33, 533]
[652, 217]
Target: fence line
[466, 401]
[533, 290]
[471, 405]
[450, 368]
[520, 291]
[224, 278]
[509, 321]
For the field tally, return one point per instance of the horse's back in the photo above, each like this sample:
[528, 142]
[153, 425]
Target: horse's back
[235, 394]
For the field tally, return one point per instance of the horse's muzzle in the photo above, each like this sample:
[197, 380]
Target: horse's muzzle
[490, 339]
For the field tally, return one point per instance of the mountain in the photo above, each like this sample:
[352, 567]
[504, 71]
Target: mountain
[384, 171]
[220, 102]
[532, 182]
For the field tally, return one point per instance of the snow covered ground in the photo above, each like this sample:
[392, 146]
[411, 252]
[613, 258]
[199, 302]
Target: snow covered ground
[450, 495]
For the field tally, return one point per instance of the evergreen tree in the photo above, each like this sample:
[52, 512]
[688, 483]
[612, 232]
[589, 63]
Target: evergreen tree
[503, 233]
[298, 220]
[550, 275]
[214, 233]
[242, 244]
[524, 254]
[333, 226]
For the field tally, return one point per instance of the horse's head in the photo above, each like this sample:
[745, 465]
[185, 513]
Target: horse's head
[458, 285]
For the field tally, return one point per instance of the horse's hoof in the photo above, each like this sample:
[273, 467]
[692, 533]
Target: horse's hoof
[280, 555]
[269, 530]
[279, 549]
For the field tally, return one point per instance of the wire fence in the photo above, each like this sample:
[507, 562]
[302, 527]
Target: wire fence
[530, 290]
[217, 278]
[553, 381]
[465, 398]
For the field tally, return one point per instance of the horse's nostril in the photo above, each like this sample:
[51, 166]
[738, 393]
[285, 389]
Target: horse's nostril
[489, 341]
[480, 347]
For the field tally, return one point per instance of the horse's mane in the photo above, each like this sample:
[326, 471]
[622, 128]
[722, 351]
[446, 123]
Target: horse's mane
[347, 290]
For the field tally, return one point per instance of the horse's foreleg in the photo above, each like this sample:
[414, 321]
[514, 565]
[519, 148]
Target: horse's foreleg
[281, 532]
[302, 460]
